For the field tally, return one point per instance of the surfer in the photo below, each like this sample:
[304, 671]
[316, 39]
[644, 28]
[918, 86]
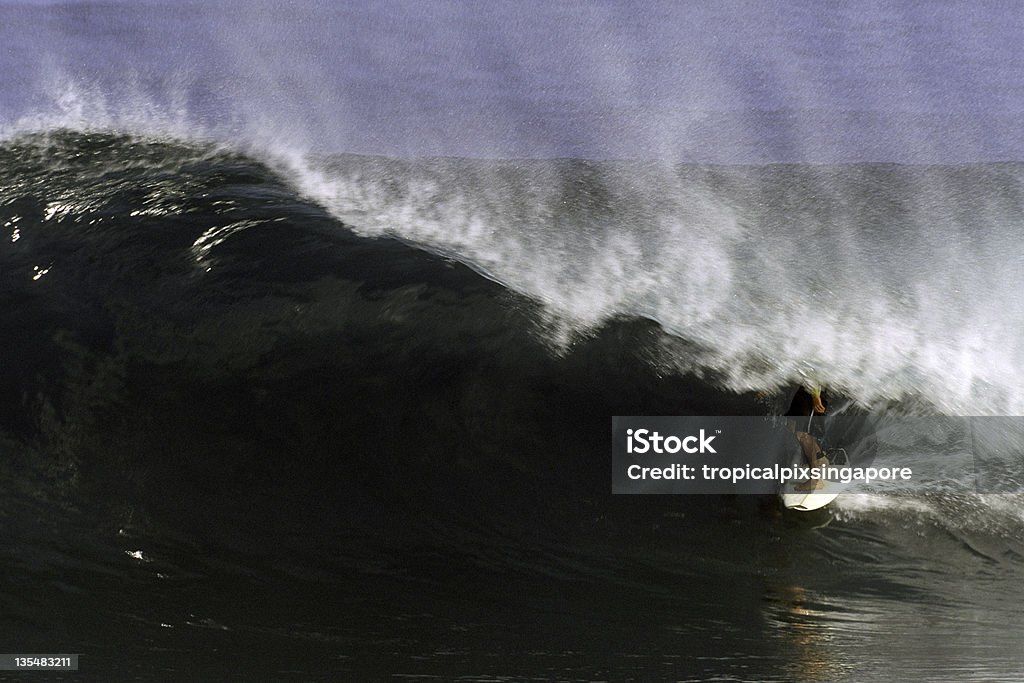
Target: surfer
[808, 403]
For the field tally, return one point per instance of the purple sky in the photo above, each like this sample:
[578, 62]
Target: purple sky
[725, 81]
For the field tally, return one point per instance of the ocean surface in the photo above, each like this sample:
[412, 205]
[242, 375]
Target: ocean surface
[310, 348]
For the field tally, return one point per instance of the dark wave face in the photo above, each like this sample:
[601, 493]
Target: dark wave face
[182, 306]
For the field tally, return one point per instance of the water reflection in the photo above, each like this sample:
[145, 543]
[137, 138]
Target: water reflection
[798, 621]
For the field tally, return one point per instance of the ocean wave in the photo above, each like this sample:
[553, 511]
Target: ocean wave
[889, 283]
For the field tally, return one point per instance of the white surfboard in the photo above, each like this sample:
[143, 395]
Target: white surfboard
[793, 499]
[807, 500]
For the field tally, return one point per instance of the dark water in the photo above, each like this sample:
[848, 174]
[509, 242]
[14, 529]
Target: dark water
[243, 441]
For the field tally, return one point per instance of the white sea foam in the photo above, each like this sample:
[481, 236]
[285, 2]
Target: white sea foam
[913, 314]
